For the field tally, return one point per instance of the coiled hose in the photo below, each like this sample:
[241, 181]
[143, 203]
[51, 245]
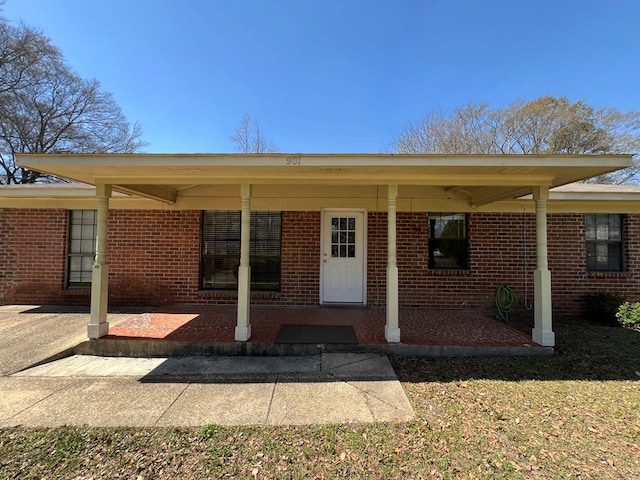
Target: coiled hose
[505, 298]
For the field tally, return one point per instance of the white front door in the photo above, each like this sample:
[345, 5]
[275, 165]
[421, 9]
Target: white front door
[343, 257]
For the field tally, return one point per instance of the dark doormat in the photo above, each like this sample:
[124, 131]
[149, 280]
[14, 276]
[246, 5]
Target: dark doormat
[316, 334]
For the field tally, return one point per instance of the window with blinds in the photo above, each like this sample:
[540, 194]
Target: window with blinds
[603, 233]
[221, 250]
[82, 247]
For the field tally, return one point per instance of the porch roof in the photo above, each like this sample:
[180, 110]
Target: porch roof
[482, 179]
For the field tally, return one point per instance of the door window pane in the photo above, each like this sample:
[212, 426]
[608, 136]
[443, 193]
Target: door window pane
[343, 237]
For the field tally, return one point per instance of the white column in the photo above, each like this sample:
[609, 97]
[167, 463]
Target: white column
[391, 329]
[98, 325]
[243, 327]
[542, 332]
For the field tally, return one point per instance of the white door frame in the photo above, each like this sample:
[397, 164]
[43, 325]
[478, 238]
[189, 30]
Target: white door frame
[330, 211]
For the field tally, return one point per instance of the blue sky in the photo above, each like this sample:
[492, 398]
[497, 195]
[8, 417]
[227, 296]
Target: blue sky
[342, 76]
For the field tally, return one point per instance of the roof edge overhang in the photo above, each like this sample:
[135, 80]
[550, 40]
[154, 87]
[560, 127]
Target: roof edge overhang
[183, 160]
[568, 199]
[485, 178]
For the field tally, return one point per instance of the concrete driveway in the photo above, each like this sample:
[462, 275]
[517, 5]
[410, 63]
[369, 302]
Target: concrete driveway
[30, 334]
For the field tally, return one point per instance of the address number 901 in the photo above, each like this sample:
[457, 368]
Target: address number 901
[294, 160]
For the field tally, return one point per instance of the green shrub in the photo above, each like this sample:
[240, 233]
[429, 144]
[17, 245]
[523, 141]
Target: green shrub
[628, 315]
[602, 307]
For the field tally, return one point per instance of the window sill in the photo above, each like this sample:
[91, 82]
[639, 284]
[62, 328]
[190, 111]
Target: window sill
[76, 290]
[234, 293]
[608, 274]
[448, 272]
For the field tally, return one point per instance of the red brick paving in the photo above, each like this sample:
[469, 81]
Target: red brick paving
[417, 327]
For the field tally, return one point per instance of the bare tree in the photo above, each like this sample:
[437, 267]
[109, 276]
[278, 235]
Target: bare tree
[46, 108]
[544, 125]
[248, 137]
[550, 125]
[468, 129]
[21, 48]
[622, 136]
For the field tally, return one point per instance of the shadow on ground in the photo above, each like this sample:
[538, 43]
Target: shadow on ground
[319, 368]
[83, 309]
[584, 351]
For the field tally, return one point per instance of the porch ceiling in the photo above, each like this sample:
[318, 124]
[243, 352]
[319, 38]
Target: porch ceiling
[481, 178]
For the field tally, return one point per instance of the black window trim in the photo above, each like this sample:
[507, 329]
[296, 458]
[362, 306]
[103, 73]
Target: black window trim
[431, 241]
[621, 243]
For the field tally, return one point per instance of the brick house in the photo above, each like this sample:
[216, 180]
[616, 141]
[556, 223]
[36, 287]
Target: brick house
[427, 231]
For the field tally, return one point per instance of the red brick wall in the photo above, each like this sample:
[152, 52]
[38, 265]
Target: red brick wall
[154, 259]
[153, 256]
[502, 251]
[300, 257]
[567, 262]
[32, 256]
[496, 256]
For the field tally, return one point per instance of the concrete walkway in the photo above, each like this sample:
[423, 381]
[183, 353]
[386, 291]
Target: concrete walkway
[194, 391]
[178, 391]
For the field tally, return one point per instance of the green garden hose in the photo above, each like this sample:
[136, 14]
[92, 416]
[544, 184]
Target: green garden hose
[505, 298]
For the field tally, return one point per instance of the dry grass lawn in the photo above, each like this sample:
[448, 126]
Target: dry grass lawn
[574, 415]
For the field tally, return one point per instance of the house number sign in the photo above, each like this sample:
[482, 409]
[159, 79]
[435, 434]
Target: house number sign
[295, 160]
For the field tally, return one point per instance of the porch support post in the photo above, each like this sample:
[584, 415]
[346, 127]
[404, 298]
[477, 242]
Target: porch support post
[391, 329]
[243, 326]
[542, 332]
[98, 325]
